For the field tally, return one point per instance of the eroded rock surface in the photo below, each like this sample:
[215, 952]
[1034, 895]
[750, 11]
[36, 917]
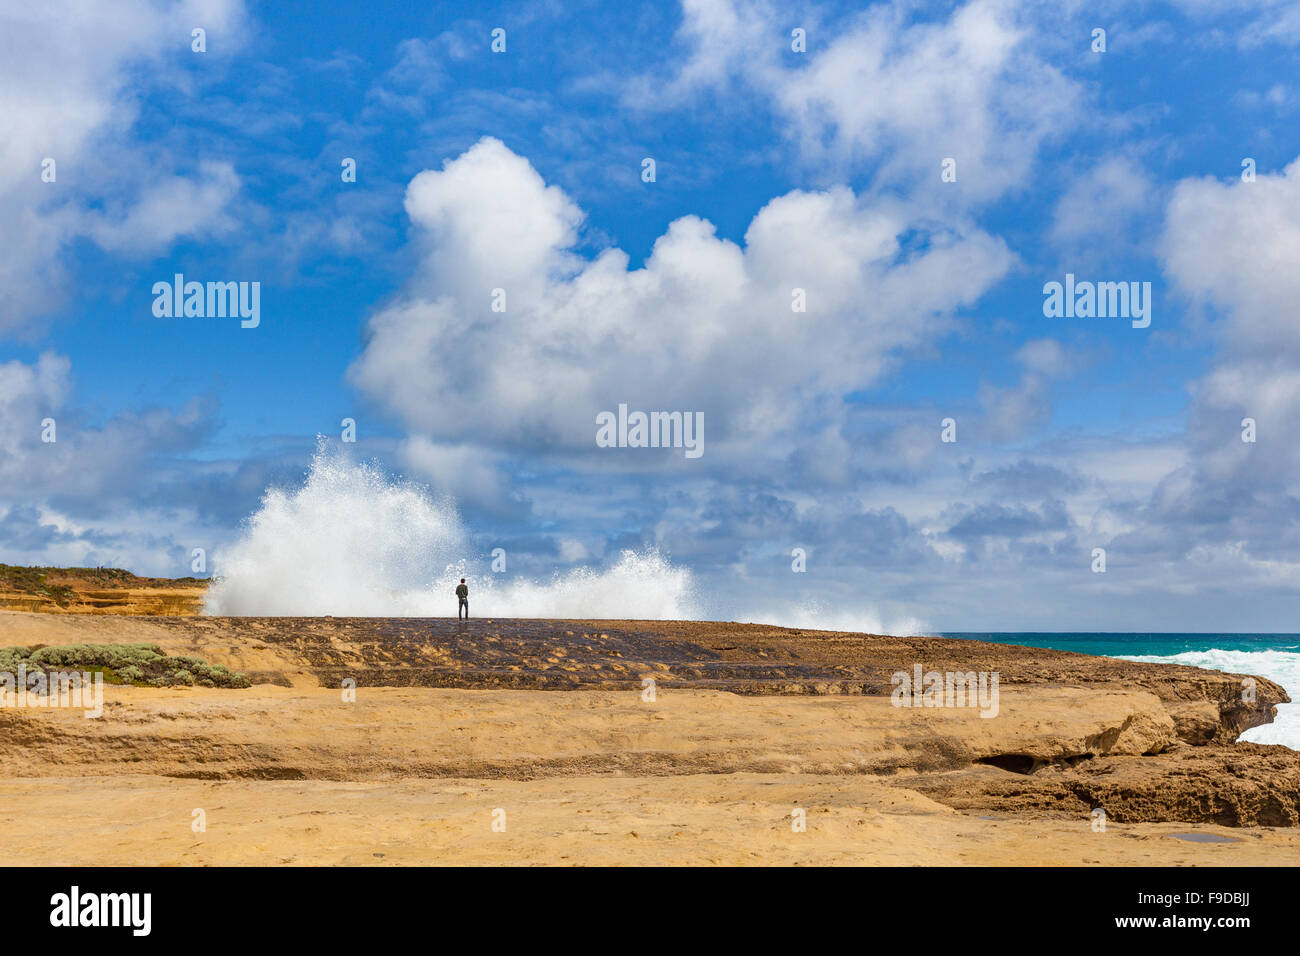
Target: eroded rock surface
[1145, 742]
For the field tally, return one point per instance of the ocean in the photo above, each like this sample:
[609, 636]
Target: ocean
[1275, 656]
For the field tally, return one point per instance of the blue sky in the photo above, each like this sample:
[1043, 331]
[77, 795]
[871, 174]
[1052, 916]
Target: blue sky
[774, 169]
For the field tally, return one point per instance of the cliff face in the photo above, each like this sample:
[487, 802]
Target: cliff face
[1145, 743]
[97, 591]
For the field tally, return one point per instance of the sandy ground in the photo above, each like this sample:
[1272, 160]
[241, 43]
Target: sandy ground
[709, 819]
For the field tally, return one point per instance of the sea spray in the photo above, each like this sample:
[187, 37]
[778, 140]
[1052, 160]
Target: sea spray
[812, 615]
[353, 541]
[1281, 665]
[350, 541]
[640, 585]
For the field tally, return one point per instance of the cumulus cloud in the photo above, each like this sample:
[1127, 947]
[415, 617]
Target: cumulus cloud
[94, 465]
[167, 209]
[1102, 206]
[65, 72]
[580, 336]
[95, 492]
[1233, 248]
[1009, 412]
[473, 478]
[75, 80]
[888, 88]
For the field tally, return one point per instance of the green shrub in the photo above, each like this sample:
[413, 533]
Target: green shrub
[144, 664]
[10, 657]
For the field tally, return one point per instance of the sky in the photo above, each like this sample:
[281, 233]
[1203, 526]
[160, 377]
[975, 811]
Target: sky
[504, 268]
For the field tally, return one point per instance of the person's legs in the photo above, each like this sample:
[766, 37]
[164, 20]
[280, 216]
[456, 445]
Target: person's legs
[464, 606]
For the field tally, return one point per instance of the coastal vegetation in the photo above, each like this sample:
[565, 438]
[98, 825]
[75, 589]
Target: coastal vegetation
[142, 665]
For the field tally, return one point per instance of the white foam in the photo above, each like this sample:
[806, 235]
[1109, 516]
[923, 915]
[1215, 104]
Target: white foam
[814, 616]
[354, 542]
[1282, 667]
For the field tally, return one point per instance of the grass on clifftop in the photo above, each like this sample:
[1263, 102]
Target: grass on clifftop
[142, 665]
[58, 584]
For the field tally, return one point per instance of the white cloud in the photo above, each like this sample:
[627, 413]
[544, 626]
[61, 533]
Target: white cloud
[702, 315]
[85, 497]
[1045, 356]
[65, 73]
[1010, 412]
[28, 394]
[1099, 207]
[1256, 22]
[1234, 248]
[460, 470]
[887, 88]
[84, 461]
[168, 209]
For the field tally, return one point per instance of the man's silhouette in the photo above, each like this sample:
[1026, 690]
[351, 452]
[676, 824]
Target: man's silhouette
[462, 592]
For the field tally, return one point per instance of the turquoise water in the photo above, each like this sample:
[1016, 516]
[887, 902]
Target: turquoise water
[1123, 645]
[1275, 656]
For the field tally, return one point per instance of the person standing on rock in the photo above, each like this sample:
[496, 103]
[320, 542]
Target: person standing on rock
[462, 592]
